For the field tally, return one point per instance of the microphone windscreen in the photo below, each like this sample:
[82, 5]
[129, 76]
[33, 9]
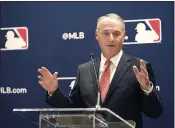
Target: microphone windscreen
[91, 55]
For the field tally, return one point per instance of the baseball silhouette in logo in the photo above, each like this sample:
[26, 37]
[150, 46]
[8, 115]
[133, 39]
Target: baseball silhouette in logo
[14, 42]
[145, 36]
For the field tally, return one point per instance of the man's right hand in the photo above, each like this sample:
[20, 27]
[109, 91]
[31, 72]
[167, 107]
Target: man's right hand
[48, 81]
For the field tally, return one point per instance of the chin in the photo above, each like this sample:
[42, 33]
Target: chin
[109, 55]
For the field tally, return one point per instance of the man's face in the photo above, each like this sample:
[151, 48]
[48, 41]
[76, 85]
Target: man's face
[110, 36]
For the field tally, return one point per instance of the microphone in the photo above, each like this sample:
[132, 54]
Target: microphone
[98, 96]
[95, 72]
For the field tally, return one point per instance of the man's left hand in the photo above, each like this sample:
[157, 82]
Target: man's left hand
[142, 76]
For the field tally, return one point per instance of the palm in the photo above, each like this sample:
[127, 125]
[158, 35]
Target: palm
[48, 81]
[142, 75]
[142, 78]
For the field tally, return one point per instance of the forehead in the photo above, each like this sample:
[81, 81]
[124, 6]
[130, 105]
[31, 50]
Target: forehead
[110, 24]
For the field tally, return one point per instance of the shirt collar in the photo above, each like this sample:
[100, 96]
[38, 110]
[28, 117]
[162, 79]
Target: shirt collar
[114, 60]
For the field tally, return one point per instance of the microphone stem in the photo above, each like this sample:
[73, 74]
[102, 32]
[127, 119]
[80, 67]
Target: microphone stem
[98, 101]
[98, 95]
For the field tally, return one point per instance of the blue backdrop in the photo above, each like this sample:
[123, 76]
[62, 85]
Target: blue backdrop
[42, 24]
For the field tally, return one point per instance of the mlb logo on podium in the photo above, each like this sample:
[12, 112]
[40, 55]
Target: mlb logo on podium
[14, 38]
[143, 31]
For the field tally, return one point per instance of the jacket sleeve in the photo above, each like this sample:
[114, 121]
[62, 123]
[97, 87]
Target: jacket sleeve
[60, 100]
[152, 104]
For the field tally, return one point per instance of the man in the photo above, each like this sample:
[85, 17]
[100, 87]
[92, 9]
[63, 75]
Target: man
[126, 83]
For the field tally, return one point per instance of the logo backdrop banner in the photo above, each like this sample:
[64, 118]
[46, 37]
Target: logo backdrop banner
[60, 36]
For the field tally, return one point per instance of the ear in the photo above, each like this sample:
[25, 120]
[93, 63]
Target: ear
[124, 36]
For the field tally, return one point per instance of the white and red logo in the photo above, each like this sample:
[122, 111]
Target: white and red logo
[14, 38]
[143, 31]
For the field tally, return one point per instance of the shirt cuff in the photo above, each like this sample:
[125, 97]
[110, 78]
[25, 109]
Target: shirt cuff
[150, 90]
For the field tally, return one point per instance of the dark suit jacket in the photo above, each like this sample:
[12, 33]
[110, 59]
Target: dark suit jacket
[125, 96]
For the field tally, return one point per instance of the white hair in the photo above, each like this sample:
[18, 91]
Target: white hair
[112, 16]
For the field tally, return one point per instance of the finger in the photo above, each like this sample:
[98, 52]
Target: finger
[40, 82]
[41, 72]
[55, 75]
[46, 71]
[40, 77]
[143, 64]
[144, 71]
[136, 71]
[141, 76]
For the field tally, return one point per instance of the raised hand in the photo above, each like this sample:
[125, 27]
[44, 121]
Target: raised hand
[142, 75]
[48, 81]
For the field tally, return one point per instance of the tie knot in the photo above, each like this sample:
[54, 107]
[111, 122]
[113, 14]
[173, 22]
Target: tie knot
[107, 62]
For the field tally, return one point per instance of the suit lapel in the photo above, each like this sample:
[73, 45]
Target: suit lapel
[119, 73]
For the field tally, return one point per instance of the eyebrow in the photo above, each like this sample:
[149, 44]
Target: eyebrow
[113, 31]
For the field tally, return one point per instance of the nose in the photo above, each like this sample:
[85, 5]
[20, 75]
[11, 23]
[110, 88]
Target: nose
[111, 37]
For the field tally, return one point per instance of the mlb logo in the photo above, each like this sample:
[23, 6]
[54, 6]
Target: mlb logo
[143, 31]
[14, 38]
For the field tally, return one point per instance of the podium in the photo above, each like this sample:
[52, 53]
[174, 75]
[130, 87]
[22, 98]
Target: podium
[77, 118]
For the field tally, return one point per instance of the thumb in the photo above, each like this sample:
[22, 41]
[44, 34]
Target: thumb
[55, 75]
